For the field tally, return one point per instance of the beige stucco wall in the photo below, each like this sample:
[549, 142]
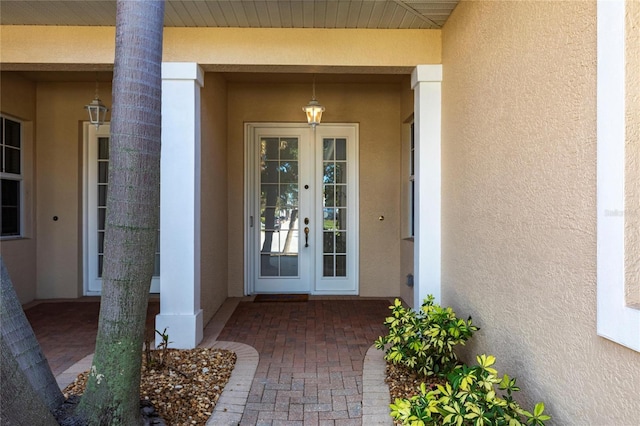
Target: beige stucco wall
[59, 156]
[18, 101]
[632, 151]
[377, 108]
[29, 46]
[213, 208]
[519, 204]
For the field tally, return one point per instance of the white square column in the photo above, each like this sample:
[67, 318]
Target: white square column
[180, 311]
[426, 81]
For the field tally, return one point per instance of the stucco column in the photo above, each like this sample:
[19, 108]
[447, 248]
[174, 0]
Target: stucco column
[180, 311]
[426, 81]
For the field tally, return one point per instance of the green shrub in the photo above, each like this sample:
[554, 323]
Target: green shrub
[468, 399]
[424, 340]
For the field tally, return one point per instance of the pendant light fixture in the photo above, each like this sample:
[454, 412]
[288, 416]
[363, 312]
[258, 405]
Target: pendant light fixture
[313, 109]
[97, 110]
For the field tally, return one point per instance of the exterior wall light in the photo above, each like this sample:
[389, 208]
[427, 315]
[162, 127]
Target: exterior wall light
[313, 109]
[97, 110]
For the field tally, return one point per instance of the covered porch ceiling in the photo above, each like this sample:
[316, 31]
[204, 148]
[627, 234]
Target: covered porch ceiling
[369, 14]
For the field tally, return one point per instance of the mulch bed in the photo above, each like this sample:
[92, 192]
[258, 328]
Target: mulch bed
[186, 390]
[405, 383]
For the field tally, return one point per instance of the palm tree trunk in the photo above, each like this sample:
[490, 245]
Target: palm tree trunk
[20, 341]
[21, 404]
[112, 394]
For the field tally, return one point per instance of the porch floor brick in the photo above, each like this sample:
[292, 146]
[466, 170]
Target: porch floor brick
[299, 363]
[311, 357]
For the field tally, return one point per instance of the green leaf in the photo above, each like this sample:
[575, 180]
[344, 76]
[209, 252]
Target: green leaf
[539, 408]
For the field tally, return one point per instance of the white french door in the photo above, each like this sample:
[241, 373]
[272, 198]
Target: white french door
[96, 171]
[301, 208]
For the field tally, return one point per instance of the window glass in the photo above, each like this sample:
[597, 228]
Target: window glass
[10, 170]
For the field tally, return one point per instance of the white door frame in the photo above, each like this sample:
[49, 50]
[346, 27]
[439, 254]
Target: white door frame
[91, 282]
[331, 286]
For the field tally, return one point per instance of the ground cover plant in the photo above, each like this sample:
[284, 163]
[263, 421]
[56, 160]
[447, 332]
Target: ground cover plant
[424, 340]
[449, 393]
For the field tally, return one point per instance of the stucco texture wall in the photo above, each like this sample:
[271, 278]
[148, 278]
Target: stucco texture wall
[376, 107]
[213, 208]
[59, 157]
[519, 204]
[18, 101]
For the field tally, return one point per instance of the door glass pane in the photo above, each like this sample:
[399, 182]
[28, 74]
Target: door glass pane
[279, 222]
[335, 204]
[341, 149]
[328, 195]
[329, 219]
[103, 171]
[341, 266]
[289, 196]
[103, 148]
[341, 219]
[329, 172]
[102, 195]
[340, 173]
[341, 196]
[288, 148]
[327, 269]
[327, 242]
[341, 242]
[327, 149]
[288, 171]
[100, 242]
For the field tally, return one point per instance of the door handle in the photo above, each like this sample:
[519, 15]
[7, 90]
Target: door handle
[306, 232]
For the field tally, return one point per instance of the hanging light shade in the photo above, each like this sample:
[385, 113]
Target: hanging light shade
[97, 110]
[313, 109]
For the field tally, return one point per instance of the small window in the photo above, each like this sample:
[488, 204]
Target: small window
[10, 176]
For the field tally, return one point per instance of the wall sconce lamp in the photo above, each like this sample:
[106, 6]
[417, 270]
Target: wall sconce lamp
[313, 109]
[97, 110]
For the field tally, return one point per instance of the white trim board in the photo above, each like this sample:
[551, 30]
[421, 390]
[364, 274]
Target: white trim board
[615, 320]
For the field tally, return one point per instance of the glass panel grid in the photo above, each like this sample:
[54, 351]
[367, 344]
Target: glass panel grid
[279, 205]
[334, 207]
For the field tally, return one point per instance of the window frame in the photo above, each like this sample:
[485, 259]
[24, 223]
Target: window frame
[616, 320]
[17, 177]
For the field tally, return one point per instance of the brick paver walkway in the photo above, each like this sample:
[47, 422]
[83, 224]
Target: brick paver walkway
[67, 331]
[311, 357]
